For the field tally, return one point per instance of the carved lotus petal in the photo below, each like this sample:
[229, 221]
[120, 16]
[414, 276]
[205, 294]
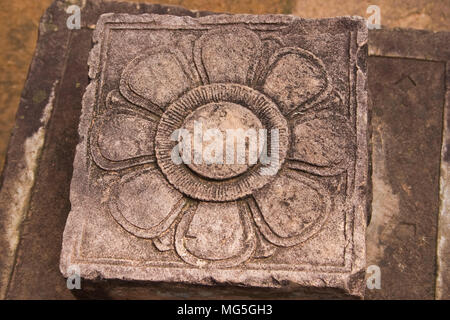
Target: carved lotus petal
[156, 203]
[216, 234]
[295, 79]
[224, 57]
[291, 209]
[322, 143]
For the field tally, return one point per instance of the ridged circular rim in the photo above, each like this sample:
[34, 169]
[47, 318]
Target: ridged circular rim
[196, 186]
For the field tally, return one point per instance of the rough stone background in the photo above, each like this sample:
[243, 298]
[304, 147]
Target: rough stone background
[406, 166]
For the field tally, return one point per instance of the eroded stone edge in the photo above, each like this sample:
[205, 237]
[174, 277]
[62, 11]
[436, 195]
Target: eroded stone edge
[443, 236]
[362, 187]
[352, 282]
[15, 193]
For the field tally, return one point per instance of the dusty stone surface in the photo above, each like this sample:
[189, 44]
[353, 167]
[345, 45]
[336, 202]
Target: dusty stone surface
[401, 237]
[408, 84]
[137, 215]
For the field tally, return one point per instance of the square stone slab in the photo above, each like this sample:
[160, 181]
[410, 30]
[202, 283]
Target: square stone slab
[138, 215]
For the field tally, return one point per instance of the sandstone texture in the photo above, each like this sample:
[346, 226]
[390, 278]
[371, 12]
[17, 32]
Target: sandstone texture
[407, 237]
[298, 222]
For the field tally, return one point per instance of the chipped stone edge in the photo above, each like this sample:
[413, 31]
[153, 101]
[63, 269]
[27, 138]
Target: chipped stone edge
[15, 194]
[351, 283]
[363, 193]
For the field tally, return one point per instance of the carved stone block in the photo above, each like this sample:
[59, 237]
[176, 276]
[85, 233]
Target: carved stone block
[137, 214]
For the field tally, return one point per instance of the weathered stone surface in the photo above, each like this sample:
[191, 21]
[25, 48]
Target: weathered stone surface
[62, 55]
[139, 215]
[409, 92]
[402, 232]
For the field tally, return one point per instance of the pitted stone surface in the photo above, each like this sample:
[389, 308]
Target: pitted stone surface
[223, 116]
[138, 215]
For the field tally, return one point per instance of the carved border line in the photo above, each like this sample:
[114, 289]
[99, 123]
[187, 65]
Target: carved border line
[350, 214]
